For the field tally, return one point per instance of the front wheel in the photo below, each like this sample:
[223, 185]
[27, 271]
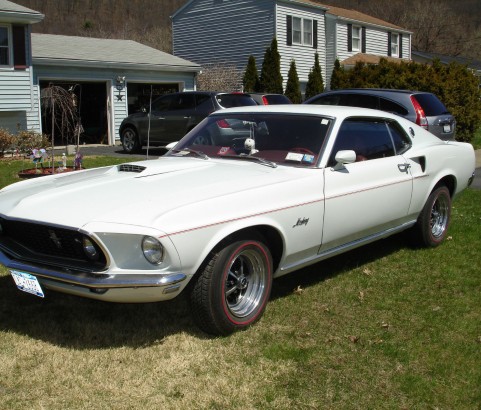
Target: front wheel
[130, 140]
[232, 288]
[432, 225]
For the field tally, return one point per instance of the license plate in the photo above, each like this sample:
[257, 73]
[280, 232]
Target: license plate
[447, 128]
[27, 283]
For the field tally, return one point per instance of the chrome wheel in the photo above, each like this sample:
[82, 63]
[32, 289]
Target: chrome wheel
[233, 286]
[439, 216]
[433, 221]
[245, 283]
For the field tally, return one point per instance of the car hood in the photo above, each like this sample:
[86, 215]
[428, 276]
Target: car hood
[141, 193]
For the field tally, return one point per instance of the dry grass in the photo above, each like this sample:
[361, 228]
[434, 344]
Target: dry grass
[386, 326]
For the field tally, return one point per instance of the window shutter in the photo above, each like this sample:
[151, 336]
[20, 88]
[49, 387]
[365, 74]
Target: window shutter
[400, 45]
[19, 49]
[289, 30]
[363, 44]
[389, 43]
[314, 34]
[349, 37]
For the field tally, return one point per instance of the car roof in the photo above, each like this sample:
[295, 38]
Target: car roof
[374, 91]
[334, 111]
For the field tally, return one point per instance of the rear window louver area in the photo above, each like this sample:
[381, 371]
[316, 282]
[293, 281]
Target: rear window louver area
[130, 168]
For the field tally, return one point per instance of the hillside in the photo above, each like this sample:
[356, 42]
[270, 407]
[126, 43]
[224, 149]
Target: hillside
[442, 26]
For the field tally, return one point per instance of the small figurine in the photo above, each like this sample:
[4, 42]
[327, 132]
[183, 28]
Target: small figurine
[78, 160]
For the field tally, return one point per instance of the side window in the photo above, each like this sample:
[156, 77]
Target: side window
[401, 141]
[359, 100]
[182, 102]
[4, 46]
[391, 106]
[327, 100]
[369, 138]
[201, 98]
[162, 103]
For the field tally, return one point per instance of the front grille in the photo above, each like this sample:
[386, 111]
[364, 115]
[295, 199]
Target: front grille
[131, 168]
[47, 244]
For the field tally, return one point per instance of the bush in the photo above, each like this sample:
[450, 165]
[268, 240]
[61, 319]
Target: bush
[455, 85]
[26, 141]
[6, 141]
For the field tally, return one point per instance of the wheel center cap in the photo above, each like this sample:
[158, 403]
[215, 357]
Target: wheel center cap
[242, 284]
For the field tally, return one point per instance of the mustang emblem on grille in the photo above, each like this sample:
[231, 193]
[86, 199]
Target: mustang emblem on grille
[55, 239]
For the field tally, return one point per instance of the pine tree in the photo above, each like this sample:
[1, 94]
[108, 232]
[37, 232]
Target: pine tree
[293, 89]
[251, 77]
[339, 78]
[271, 78]
[315, 83]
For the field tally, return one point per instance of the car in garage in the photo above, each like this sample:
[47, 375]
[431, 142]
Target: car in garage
[422, 108]
[171, 116]
[223, 213]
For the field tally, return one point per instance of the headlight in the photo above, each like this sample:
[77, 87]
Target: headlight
[89, 249]
[153, 250]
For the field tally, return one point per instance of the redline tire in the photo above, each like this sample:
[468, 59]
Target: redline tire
[233, 287]
[433, 222]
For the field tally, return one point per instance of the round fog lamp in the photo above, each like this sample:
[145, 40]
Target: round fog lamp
[90, 249]
[153, 250]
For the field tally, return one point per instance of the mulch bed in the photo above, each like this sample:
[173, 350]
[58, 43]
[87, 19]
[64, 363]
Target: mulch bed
[40, 172]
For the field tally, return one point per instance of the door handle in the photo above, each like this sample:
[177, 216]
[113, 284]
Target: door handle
[404, 167]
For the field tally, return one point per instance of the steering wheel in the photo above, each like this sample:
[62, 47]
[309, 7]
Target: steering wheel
[202, 140]
[302, 150]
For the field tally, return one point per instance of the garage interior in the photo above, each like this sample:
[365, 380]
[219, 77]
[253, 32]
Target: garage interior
[91, 103]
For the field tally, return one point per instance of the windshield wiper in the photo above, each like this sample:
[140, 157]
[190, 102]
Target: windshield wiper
[259, 160]
[200, 154]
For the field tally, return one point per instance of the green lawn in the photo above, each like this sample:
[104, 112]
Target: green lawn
[384, 327]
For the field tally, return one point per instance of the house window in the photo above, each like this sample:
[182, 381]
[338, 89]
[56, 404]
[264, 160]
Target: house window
[4, 46]
[302, 31]
[356, 38]
[394, 45]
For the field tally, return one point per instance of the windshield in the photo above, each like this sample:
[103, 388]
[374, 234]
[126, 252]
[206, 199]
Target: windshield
[284, 139]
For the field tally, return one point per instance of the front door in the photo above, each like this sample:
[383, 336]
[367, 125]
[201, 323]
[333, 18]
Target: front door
[370, 195]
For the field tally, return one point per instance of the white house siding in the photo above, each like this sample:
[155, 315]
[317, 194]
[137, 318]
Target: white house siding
[303, 55]
[117, 109]
[224, 32]
[406, 46]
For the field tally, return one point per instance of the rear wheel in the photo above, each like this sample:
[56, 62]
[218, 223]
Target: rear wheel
[130, 140]
[233, 287]
[432, 225]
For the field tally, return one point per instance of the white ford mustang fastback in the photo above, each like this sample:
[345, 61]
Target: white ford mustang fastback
[248, 195]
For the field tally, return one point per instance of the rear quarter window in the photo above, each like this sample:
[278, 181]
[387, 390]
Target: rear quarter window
[431, 104]
[391, 106]
[234, 100]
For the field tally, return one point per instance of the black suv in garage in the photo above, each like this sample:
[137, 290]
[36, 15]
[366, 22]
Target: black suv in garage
[173, 115]
[422, 108]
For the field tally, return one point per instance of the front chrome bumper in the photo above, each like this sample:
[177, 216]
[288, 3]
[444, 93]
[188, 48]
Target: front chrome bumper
[99, 282]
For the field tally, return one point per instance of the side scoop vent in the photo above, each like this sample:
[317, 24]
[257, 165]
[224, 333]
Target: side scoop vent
[130, 168]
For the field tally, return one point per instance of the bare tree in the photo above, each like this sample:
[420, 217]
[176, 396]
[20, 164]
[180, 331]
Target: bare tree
[59, 105]
[219, 77]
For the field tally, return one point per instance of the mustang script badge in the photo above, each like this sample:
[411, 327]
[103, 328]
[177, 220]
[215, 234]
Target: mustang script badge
[301, 221]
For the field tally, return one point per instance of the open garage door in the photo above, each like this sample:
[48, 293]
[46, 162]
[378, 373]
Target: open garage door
[91, 104]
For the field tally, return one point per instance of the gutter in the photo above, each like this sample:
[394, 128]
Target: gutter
[113, 64]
